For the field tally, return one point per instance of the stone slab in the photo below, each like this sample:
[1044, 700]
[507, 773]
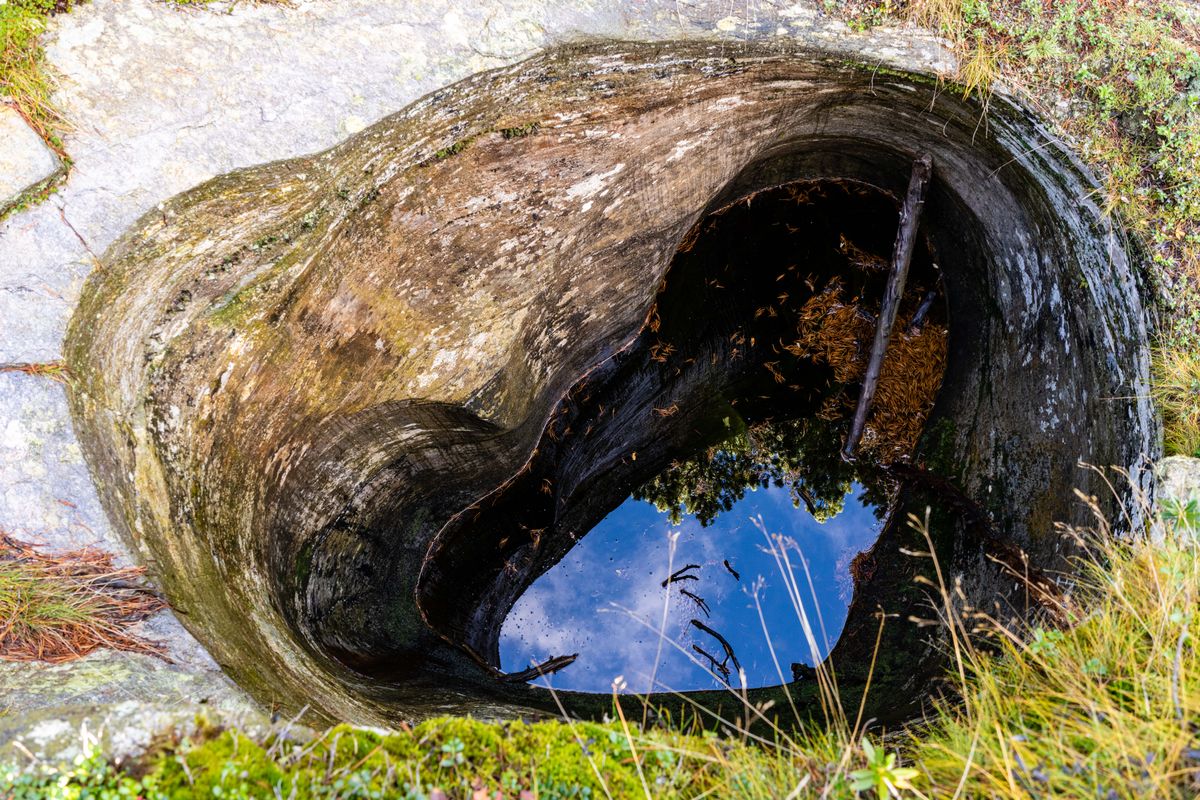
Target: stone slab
[25, 160]
[1178, 479]
[121, 701]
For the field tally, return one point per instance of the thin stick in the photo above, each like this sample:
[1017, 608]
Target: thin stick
[547, 667]
[718, 666]
[698, 600]
[725, 645]
[918, 318]
[906, 237]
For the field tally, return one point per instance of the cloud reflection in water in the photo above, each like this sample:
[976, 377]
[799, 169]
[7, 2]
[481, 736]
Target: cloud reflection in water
[595, 601]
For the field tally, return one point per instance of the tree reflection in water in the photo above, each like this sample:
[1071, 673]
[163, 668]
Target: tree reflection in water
[802, 455]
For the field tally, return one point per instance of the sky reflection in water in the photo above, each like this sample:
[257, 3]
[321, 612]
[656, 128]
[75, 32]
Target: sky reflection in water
[595, 601]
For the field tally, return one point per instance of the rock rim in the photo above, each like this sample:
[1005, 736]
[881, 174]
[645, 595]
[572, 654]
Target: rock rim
[291, 377]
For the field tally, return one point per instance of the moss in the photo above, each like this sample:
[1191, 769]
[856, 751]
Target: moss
[230, 764]
[520, 131]
[1094, 709]
[454, 149]
[39, 191]
[458, 755]
[937, 447]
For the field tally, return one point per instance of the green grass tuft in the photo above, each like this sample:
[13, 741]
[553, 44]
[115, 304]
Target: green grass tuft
[1106, 707]
[24, 81]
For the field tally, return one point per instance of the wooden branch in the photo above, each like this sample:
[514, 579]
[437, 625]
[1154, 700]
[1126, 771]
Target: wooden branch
[923, 310]
[540, 670]
[906, 237]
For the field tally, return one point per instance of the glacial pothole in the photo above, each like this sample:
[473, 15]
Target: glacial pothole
[322, 396]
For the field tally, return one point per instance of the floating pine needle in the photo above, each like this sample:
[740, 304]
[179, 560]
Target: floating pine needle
[57, 608]
[861, 258]
[838, 333]
[732, 571]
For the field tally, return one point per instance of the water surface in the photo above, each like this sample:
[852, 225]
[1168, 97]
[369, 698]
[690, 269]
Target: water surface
[605, 599]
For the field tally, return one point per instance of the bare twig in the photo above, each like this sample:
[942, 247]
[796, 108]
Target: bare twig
[918, 319]
[725, 645]
[717, 666]
[699, 601]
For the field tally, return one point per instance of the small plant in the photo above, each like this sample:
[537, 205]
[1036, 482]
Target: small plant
[1045, 642]
[1183, 516]
[881, 774]
[452, 754]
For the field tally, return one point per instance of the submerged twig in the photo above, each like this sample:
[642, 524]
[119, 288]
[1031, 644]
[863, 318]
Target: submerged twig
[725, 645]
[717, 666]
[809, 502]
[732, 571]
[678, 575]
[906, 236]
[547, 667]
[698, 600]
[918, 319]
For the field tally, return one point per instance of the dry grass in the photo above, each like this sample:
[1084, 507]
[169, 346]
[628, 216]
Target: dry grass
[24, 81]
[1107, 707]
[54, 370]
[56, 608]
[1176, 390]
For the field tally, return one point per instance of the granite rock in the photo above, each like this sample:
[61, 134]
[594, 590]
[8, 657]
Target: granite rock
[25, 160]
